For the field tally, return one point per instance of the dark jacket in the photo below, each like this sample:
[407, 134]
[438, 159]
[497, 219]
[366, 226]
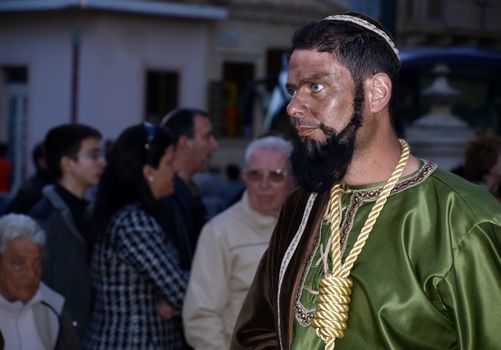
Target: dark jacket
[67, 337]
[66, 268]
[29, 193]
[187, 215]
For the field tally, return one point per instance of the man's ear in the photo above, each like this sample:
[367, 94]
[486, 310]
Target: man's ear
[183, 143]
[65, 164]
[378, 88]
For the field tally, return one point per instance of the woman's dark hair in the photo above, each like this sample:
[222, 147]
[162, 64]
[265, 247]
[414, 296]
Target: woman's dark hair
[481, 155]
[123, 181]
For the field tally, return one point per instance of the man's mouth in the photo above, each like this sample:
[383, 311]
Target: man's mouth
[305, 131]
[305, 127]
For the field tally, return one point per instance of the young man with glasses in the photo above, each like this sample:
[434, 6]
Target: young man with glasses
[232, 243]
[75, 160]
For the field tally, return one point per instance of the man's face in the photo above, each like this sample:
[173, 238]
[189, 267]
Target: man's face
[325, 110]
[202, 145]
[20, 270]
[89, 163]
[268, 181]
[322, 93]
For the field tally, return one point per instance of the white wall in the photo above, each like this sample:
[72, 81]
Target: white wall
[44, 47]
[115, 52]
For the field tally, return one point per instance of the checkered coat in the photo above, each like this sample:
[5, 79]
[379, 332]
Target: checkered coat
[133, 266]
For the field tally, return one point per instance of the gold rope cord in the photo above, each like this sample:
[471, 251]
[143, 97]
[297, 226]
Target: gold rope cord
[335, 288]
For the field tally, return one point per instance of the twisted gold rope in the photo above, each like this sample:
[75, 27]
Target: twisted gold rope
[335, 288]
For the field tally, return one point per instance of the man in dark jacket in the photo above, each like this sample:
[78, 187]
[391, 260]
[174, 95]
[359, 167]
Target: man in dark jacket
[195, 143]
[75, 160]
[30, 191]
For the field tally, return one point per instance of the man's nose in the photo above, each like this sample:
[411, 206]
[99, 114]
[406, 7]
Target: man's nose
[297, 105]
[264, 182]
[215, 144]
[31, 272]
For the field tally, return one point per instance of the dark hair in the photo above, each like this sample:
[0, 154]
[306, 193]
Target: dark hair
[36, 154]
[232, 172]
[65, 141]
[363, 52]
[181, 122]
[3, 149]
[122, 181]
[481, 154]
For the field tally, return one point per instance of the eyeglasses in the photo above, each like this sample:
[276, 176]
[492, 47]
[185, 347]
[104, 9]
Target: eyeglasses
[94, 155]
[149, 128]
[275, 176]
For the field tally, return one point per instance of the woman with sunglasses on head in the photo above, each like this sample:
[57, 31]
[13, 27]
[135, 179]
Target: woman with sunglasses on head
[138, 282]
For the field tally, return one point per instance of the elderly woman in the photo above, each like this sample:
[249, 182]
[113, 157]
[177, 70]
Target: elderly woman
[31, 314]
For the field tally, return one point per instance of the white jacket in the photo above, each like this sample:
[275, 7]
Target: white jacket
[34, 325]
[228, 252]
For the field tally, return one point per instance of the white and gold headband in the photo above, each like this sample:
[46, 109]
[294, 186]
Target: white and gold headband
[367, 25]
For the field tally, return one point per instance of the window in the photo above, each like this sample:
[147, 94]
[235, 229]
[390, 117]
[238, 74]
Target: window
[274, 64]
[237, 94]
[13, 117]
[162, 90]
[410, 9]
[434, 9]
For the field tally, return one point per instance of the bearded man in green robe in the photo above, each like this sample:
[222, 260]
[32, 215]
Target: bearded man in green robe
[376, 249]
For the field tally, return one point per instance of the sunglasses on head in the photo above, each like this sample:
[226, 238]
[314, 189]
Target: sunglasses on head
[149, 128]
[275, 176]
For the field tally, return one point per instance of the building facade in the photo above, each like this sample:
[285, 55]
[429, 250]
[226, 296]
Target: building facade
[108, 64]
[449, 23]
[113, 63]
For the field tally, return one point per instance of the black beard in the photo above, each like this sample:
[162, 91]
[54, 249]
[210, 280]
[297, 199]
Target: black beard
[318, 166]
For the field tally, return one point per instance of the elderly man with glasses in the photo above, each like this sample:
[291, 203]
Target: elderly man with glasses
[231, 245]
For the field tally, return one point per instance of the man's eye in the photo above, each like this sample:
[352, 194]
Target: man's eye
[18, 264]
[291, 92]
[317, 87]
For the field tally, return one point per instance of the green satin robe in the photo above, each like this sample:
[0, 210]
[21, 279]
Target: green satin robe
[429, 276]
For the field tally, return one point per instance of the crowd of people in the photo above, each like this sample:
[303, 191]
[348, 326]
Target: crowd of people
[105, 243]
[117, 250]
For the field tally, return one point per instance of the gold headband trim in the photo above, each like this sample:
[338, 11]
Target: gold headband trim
[367, 25]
